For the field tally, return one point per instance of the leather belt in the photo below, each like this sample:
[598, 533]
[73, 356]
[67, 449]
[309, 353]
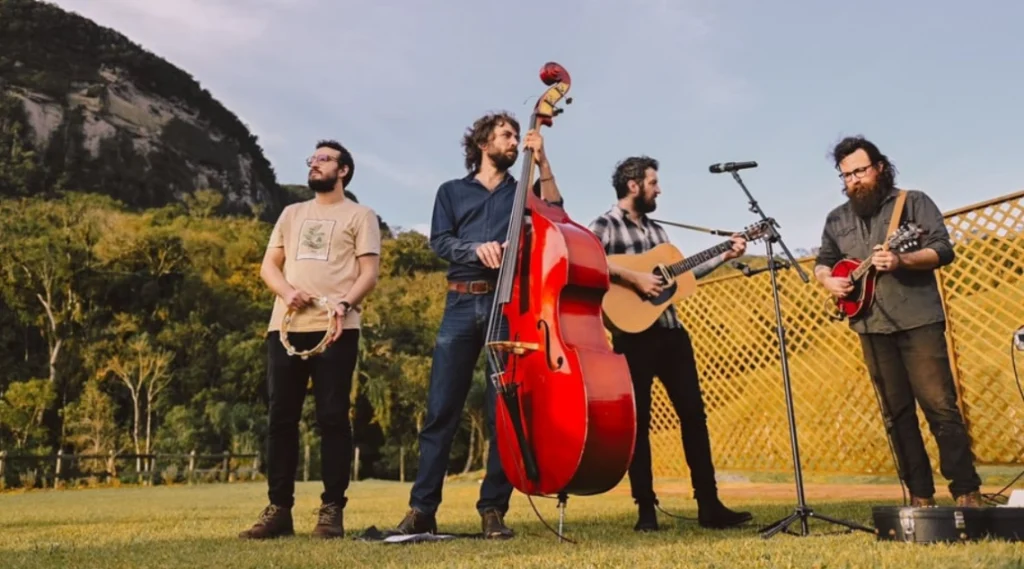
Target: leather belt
[471, 287]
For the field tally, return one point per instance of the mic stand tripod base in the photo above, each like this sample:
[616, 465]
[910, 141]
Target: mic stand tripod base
[802, 511]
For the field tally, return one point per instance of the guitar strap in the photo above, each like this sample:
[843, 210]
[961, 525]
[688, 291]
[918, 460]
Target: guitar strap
[897, 213]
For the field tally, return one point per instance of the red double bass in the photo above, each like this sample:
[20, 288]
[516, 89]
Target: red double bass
[565, 413]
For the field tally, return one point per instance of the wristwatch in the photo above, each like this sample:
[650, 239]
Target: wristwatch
[346, 304]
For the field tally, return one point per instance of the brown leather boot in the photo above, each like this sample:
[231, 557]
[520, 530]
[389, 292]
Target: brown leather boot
[274, 521]
[970, 500]
[416, 522]
[493, 525]
[918, 502]
[330, 522]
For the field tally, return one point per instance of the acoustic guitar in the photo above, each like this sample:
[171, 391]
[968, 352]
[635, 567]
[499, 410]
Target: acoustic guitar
[862, 274]
[627, 311]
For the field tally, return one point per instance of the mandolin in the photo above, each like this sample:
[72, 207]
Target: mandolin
[862, 274]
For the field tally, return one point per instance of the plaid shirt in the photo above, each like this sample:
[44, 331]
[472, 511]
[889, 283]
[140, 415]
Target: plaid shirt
[621, 236]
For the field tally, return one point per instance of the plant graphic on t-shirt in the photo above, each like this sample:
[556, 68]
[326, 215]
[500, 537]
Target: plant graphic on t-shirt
[315, 239]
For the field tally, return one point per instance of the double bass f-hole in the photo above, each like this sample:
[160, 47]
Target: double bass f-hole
[557, 364]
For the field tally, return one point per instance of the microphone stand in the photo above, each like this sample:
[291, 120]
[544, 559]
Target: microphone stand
[802, 511]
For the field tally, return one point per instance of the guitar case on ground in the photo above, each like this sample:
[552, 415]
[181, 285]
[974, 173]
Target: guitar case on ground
[949, 524]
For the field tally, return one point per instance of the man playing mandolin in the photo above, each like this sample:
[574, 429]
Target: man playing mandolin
[664, 349]
[321, 262]
[470, 222]
[902, 331]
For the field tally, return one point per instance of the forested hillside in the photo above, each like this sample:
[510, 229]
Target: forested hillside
[84, 108]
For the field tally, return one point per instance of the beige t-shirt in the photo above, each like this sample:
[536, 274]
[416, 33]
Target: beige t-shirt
[321, 245]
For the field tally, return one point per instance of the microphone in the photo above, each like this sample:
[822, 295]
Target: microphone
[731, 166]
[741, 267]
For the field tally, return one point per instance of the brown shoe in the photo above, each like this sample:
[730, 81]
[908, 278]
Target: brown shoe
[330, 522]
[417, 522]
[918, 502]
[493, 524]
[969, 500]
[274, 521]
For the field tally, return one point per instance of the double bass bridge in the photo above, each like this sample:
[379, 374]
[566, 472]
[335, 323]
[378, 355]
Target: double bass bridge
[517, 348]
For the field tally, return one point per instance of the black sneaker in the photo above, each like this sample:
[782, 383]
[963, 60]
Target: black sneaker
[417, 522]
[330, 522]
[647, 520]
[713, 514]
[493, 525]
[274, 521]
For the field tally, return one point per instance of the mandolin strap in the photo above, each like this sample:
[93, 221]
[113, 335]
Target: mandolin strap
[897, 213]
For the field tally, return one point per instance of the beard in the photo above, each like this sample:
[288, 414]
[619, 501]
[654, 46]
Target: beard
[503, 161]
[865, 201]
[644, 205]
[321, 185]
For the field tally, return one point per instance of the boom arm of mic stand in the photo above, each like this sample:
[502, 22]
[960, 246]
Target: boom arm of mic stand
[696, 228]
[774, 235]
[749, 271]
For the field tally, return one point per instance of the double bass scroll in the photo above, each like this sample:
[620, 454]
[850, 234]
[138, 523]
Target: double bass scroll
[565, 414]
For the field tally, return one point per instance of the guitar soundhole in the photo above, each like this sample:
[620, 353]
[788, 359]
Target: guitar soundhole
[666, 293]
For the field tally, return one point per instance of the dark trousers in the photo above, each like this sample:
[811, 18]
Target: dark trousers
[914, 365]
[668, 354]
[287, 378]
[456, 350]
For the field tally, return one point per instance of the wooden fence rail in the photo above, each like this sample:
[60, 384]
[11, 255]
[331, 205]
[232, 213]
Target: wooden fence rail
[229, 466]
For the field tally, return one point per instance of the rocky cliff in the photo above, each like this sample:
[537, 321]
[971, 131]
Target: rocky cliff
[86, 109]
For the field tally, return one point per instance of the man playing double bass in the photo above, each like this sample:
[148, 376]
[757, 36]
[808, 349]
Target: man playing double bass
[664, 349]
[470, 222]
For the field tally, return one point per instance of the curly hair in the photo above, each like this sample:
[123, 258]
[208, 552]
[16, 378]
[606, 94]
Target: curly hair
[344, 159]
[480, 134]
[633, 168]
[851, 144]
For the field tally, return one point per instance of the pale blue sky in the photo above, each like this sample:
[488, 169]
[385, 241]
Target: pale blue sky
[936, 84]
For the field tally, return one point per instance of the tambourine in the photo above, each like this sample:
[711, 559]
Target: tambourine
[319, 348]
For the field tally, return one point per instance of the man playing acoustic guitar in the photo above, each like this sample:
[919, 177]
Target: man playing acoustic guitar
[902, 329]
[664, 349]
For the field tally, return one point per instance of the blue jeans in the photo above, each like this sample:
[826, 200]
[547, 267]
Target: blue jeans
[456, 350]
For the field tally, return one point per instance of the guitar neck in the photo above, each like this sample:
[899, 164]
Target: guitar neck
[689, 263]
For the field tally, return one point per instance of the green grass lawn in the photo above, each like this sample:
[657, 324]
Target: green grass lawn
[195, 527]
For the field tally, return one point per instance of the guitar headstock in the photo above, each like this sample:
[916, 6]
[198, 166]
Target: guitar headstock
[906, 237]
[559, 82]
[757, 231]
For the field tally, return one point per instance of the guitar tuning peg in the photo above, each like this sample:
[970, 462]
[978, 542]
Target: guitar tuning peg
[568, 100]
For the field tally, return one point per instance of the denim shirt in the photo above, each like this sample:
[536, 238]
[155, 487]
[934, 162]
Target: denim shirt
[466, 215]
[905, 298]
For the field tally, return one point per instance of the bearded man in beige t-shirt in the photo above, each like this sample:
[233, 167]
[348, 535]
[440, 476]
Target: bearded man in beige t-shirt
[323, 249]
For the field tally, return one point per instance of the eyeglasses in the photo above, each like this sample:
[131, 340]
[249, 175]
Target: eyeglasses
[858, 173]
[319, 159]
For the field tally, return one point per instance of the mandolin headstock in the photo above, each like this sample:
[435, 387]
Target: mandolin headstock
[559, 82]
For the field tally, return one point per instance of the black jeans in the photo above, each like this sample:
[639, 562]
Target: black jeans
[668, 354]
[914, 364]
[287, 378]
